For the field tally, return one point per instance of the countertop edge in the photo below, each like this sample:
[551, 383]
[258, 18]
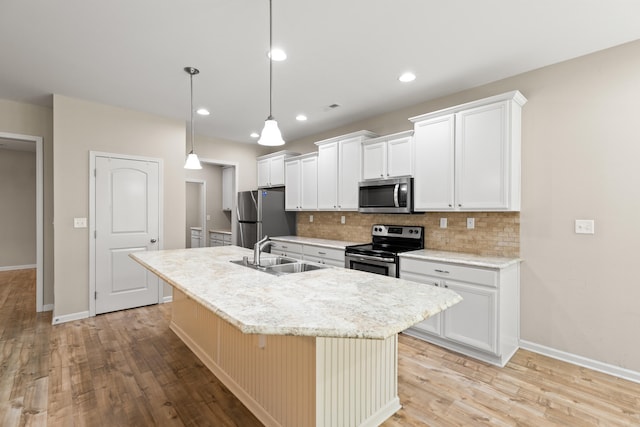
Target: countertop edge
[461, 258]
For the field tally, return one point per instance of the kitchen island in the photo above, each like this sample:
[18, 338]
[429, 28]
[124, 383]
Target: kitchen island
[313, 348]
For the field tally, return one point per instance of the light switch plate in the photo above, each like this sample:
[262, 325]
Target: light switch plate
[471, 223]
[342, 220]
[310, 218]
[79, 222]
[585, 226]
[443, 222]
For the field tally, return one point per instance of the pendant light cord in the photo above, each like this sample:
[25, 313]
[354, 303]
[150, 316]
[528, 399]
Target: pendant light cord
[270, 59]
[191, 75]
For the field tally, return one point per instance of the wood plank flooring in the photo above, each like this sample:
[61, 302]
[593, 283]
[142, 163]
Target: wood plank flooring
[128, 369]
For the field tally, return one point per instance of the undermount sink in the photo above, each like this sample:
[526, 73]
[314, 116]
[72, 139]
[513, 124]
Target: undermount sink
[279, 266]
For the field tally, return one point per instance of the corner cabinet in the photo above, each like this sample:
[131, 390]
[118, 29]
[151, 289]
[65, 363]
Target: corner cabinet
[301, 182]
[486, 323]
[388, 156]
[271, 168]
[340, 160]
[469, 156]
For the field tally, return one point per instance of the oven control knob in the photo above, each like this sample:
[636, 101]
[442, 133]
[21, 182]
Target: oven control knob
[411, 231]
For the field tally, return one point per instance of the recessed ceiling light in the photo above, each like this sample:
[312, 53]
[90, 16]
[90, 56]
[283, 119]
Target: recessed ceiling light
[407, 77]
[277, 54]
[301, 117]
[254, 135]
[203, 111]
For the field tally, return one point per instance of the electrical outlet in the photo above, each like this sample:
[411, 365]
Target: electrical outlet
[310, 218]
[342, 220]
[208, 217]
[443, 222]
[79, 222]
[471, 223]
[585, 226]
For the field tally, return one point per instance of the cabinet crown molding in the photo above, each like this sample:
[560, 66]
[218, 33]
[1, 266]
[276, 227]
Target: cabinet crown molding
[397, 135]
[364, 133]
[514, 95]
[285, 153]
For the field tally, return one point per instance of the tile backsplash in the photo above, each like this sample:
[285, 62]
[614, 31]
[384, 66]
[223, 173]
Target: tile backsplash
[495, 233]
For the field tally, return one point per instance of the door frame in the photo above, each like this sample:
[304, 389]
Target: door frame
[236, 167]
[92, 217]
[203, 204]
[40, 306]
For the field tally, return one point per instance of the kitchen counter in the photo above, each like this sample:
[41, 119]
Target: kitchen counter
[333, 244]
[461, 258]
[318, 348]
[331, 302]
[212, 230]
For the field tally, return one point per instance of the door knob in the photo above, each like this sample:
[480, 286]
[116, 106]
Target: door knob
[153, 240]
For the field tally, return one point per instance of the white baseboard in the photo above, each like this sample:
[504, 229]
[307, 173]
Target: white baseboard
[606, 368]
[18, 267]
[167, 298]
[47, 307]
[70, 317]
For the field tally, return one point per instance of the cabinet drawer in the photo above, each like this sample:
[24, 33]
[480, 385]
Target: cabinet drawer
[195, 233]
[286, 247]
[322, 252]
[479, 276]
[226, 238]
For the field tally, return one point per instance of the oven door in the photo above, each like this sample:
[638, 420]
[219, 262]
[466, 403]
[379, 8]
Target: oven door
[371, 264]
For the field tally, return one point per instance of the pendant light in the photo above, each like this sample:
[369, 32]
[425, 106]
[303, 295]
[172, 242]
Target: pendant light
[270, 135]
[192, 159]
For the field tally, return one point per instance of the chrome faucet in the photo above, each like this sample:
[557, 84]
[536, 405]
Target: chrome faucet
[260, 246]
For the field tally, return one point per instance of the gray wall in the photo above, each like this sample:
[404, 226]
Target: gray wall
[17, 208]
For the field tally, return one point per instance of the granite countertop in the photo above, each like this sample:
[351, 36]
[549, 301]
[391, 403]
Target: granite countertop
[460, 258]
[331, 302]
[212, 230]
[334, 244]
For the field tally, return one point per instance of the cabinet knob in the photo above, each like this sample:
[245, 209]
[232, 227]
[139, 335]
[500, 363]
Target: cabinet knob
[153, 240]
[446, 286]
[381, 174]
[450, 205]
[459, 205]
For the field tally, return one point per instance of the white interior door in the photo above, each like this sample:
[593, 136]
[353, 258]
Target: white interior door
[127, 221]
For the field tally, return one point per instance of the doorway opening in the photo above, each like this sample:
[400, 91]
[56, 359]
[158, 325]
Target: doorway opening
[196, 213]
[28, 143]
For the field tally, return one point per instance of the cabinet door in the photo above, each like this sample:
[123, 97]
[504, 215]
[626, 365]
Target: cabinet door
[399, 161]
[433, 324]
[482, 157]
[264, 168]
[434, 159]
[349, 173]
[292, 186]
[328, 170]
[374, 160]
[473, 321]
[227, 188]
[276, 171]
[309, 183]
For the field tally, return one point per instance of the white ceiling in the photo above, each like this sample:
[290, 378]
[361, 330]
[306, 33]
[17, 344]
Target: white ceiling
[349, 52]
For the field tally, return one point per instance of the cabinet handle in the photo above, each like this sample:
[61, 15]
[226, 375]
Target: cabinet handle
[153, 240]
[381, 174]
[322, 253]
[285, 247]
[442, 271]
[459, 205]
[334, 206]
[446, 286]
[450, 205]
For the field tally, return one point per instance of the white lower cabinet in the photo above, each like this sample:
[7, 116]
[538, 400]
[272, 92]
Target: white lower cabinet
[486, 323]
[291, 250]
[322, 255]
[219, 239]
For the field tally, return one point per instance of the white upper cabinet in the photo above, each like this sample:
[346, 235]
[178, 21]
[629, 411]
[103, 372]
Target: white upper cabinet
[387, 156]
[468, 157]
[339, 170]
[271, 169]
[301, 182]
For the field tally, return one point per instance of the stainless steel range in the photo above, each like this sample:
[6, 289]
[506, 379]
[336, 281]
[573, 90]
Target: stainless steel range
[381, 255]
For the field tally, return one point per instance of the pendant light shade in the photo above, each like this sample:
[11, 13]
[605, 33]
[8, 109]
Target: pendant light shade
[192, 159]
[270, 135]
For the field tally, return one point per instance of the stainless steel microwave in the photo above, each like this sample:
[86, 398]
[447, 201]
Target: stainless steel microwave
[394, 195]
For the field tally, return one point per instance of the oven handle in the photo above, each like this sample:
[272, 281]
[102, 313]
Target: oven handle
[396, 188]
[371, 258]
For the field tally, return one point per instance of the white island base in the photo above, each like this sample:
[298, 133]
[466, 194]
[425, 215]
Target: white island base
[290, 380]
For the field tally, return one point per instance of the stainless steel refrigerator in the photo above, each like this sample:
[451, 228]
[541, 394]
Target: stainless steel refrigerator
[261, 213]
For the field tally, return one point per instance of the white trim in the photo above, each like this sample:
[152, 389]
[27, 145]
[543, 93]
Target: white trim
[92, 217]
[69, 317]
[18, 267]
[39, 212]
[48, 307]
[585, 362]
[166, 299]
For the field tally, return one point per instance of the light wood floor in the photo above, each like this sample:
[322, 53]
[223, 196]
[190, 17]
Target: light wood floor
[128, 369]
